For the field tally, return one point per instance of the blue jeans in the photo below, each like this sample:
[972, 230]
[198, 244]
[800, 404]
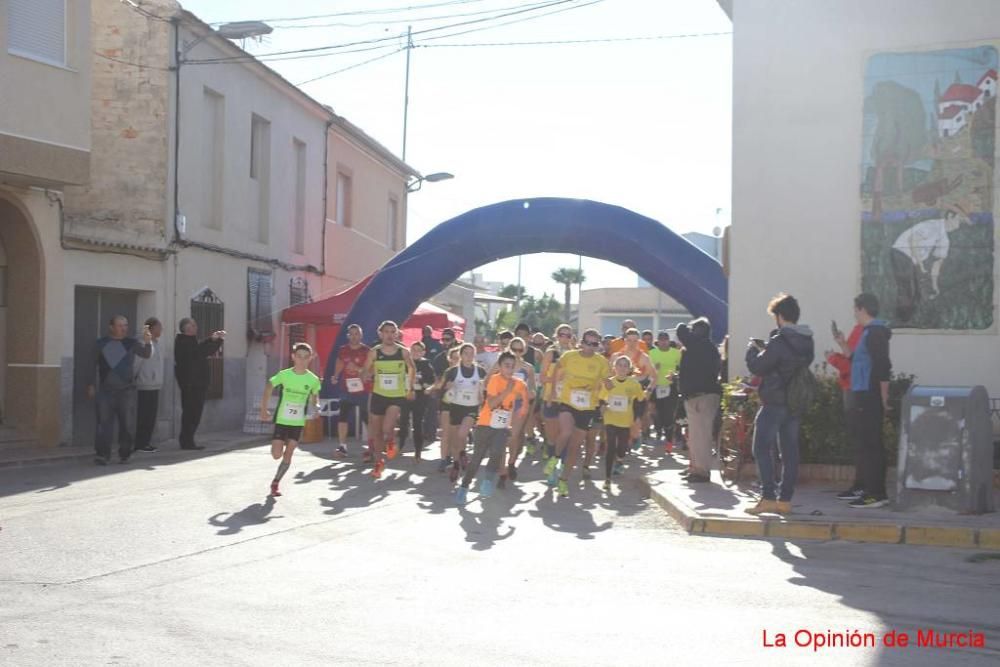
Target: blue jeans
[775, 427]
[115, 407]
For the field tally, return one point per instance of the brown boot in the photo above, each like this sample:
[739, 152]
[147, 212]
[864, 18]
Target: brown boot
[763, 507]
[784, 507]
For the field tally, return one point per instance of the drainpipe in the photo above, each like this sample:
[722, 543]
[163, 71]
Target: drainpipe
[175, 22]
[326, 196]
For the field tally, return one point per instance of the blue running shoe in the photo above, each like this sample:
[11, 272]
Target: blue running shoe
[461, 493]
[553, 476]
[618, 469]
[486, 487]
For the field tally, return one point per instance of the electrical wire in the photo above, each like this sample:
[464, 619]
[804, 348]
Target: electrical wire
[329, 47]
[606, 40]
[354, 66]
[421, 19]
[126, 62]
[145, 12]
[515, 21]
[365, 12]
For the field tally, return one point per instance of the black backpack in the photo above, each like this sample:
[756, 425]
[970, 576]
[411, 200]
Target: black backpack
[801, 390]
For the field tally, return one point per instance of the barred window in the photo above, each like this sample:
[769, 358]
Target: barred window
[208, 310]
[260, 325]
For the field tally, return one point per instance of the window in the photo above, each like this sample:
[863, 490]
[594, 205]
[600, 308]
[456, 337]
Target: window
[259, 305]
[213, 157]
[209, 312]
[260, 171]
[393, 224]
[298, 292]
[37, 29]
[299, 213]
[343, 199]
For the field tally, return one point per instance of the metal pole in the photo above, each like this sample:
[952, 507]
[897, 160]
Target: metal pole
[406, 91]
[517, 295]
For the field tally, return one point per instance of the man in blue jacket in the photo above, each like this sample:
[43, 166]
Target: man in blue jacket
[871, 371]
[789, 348]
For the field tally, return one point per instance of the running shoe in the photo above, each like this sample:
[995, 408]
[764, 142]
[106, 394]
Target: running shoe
[553, 477]
[618, 469]
[340, 452]
[461, 493]
[443, 463]
[607, 485]
[149, 449]
[586, 474]
[563, 489]
[550, 465]
[868, 502]
[669, 446]
[453, 473]
[379, 467]
[636, 443]
[850, 494]
[274, 490]
[391, 450]
[486, 487]
[529, 449]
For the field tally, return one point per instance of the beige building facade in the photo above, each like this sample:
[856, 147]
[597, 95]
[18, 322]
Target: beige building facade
[207, 198]
[606, 308]
[819, 209]
[45, 146]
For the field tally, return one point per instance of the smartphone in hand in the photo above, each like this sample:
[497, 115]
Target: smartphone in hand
[834, 329]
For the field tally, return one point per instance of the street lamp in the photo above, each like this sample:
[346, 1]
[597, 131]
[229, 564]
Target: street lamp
[430, 178]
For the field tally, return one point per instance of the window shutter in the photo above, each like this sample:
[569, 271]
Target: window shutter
[259, 304]
[37, 28]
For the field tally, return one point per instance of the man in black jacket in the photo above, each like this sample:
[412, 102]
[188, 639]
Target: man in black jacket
[698, 382]
[789, 349]
[191, 372]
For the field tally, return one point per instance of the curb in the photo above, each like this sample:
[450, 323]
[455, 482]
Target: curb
[161, 455]
[854, 531]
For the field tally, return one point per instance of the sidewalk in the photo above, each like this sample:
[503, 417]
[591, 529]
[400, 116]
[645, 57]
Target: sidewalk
[715, 509]
[214, 443]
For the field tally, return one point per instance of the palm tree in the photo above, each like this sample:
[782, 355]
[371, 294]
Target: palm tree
[567, 278]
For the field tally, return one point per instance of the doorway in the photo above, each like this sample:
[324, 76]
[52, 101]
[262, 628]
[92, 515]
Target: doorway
[93, 309]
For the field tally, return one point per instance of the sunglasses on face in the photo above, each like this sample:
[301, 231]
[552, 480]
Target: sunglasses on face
[592, 343]
[564, 335]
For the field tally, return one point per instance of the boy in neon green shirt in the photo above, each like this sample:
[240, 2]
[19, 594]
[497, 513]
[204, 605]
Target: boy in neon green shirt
[298, 385]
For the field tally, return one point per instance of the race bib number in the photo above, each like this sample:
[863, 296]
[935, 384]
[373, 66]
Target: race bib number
[500, 419]
[618, 403]
[417, 386]
[388, 382]
[467, 397]
[578, 398]
[663, 390]
[355, 385]
[293, 411]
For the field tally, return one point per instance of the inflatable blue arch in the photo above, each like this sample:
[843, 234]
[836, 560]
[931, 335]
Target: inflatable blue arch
[524, 226]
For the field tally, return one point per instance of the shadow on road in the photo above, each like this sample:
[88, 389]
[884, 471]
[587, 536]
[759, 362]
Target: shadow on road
[256, 514]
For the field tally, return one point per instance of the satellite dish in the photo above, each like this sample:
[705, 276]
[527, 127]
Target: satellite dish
[717, 232]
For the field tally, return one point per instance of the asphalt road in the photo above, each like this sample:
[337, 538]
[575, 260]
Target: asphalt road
[178, 560]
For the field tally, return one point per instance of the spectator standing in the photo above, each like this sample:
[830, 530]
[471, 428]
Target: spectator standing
[698, 380]
[148, 382]
[432, 346]
[841, 362]
[871, 371]
[789, 349]
[115, 391]
[191, 371]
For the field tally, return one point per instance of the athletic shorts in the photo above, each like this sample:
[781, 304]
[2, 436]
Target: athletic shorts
[456, 413]
[550, 411]
[640, 409]
[582, 419]
[286, 433]
[350, 400]
[598, 420]
[380, 404]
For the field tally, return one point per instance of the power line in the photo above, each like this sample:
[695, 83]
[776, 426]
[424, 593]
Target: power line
[606, 40]
[516, 21]
[551, 3]
[366, 12]
[420, 19]
[131, 64]
[350, 67]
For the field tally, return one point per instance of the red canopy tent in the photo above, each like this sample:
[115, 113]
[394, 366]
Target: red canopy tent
[327, 316]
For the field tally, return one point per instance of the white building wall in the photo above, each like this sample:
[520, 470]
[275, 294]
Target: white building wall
[796, 209]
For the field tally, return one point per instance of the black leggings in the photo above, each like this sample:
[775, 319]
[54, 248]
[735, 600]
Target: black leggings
[618, 441]
[666, 416]
[413, 410]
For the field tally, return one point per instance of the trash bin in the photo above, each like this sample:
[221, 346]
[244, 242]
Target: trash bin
[946, 449]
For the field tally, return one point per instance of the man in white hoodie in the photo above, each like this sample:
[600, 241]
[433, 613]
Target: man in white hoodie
[148, 382]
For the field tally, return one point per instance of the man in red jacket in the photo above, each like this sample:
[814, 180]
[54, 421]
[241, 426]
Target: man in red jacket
[841, 361]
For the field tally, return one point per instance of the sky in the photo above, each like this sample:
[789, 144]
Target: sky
[643, 124]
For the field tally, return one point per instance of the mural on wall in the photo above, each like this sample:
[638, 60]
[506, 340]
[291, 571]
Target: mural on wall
[927, 187]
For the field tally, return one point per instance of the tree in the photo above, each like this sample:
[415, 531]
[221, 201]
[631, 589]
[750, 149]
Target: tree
[900, 135]
[543, 313]
[515, 292]
[567, 278]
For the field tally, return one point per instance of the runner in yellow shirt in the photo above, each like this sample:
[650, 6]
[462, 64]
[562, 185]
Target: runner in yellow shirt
[619, 396]
[580, 374]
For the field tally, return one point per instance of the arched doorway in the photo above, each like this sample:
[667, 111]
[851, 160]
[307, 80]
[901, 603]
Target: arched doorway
[663, 258]
[21, 323]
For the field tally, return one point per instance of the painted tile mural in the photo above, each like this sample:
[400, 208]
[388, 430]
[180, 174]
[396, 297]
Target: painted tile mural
[927, 187]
